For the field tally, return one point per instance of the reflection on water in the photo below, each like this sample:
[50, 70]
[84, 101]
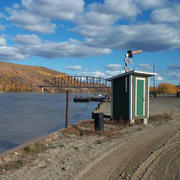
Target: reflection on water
[24, 117]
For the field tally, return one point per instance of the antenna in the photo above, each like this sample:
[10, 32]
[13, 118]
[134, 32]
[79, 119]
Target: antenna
[127, 61]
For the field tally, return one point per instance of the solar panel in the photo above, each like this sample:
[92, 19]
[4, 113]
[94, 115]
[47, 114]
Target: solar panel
[127, 69]
[128, 61]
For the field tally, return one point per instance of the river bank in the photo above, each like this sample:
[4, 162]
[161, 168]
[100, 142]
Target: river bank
[24, 117]
[80, 152]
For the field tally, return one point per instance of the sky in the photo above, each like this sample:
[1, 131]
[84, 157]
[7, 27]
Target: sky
[91, 37]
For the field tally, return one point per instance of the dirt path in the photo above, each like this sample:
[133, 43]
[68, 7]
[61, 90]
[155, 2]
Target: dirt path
[164, 163]
[140, 155]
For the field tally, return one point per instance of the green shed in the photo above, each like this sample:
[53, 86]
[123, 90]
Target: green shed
[130, 96]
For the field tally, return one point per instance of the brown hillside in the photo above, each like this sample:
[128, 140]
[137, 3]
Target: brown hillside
[22, 78]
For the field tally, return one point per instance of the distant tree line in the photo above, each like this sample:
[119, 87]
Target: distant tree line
[164, 88]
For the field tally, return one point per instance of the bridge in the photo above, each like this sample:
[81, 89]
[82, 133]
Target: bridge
[68, 82]
[77, 82]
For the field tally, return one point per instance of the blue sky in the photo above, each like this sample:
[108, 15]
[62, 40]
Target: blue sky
[91, 37]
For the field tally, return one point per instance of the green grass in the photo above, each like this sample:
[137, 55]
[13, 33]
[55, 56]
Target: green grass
[35, 149]
[61, 145]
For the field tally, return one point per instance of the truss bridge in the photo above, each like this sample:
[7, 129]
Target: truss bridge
[77, 82]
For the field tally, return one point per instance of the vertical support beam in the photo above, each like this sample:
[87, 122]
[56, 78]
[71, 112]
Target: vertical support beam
[67, 109]
[145, 121]
[112, 99]
[148, 98]
[130, 99]
[74, 81]
[61, 82]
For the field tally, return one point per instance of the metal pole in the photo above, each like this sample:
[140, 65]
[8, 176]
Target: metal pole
[67, 109]
[154, 79]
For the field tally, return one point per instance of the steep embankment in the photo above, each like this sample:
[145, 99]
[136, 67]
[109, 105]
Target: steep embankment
[22, 78]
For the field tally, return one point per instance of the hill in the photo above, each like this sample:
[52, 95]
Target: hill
[23, 78]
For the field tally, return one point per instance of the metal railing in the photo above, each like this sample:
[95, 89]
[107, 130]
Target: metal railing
[76, 82]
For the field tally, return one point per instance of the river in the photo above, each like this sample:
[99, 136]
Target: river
[24, 117]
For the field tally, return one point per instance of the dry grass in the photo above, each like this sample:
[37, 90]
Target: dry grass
[162, 117]
[86, 128]
[12, 165]
[24, 158]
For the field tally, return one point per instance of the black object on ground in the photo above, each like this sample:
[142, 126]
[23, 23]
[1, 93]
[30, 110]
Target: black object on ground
[98, 121]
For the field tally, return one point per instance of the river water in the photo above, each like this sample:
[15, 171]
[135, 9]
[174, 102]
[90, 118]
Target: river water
[24, 117]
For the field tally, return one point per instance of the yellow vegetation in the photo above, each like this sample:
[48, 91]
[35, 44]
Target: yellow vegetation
[166, 88]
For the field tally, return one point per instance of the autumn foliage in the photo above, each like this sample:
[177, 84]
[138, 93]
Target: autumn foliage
[21, 78]
[151, 89]
[166, 88]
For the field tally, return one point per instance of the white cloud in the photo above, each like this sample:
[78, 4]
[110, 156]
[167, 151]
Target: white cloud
[109, 73]
[145, 67]
[112, 67]
[98, 74]
[56, 9]
[64, 49]
[159, 78]
[37, 15]
[95, 18]
[148, 37]
[171, 76]
[10, 53]
[101, 17]
[174, 66]
[74, 68]
[31, 22]
[146, 4]
[32, 45]
[90, 30]
[167, 15]
[121, 8]
[30, 39]
[2, 41]
[71, 48]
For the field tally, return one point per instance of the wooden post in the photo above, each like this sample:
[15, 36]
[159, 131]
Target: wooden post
[67, 109]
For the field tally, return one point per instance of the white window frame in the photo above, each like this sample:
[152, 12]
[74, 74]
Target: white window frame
[139, 78]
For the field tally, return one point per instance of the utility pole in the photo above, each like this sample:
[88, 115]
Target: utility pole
[154, 82]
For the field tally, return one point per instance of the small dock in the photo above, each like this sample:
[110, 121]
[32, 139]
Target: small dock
[81, 99]
[96, 98]
[105, 108]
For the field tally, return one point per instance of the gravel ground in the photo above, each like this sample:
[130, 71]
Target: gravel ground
[139, 152]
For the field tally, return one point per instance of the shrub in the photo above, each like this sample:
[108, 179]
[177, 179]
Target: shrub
[166, 88]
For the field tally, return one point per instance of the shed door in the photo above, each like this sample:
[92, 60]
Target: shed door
[140, 96]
